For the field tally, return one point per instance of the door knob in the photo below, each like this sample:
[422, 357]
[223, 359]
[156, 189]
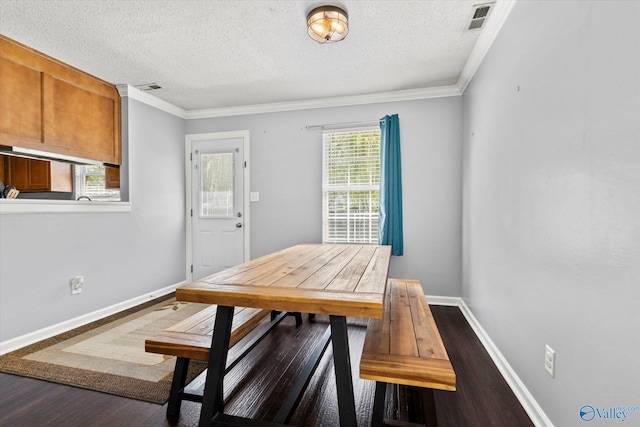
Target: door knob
[239, 225]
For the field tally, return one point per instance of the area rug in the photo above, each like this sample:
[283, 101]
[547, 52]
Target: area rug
[108, 355]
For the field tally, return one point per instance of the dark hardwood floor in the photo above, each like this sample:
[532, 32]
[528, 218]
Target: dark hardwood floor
[257, 385]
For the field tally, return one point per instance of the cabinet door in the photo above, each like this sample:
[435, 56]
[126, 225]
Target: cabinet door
[111, 177]
[28, 174]
[79, 121]
[31, 175]
[20, 103]
[3, 178]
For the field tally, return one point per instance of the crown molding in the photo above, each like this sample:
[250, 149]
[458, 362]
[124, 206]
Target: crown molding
[374, 98]
[151, 100]
[499, 14]
[340, 101]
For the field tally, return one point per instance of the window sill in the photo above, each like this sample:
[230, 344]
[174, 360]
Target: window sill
[18, 206]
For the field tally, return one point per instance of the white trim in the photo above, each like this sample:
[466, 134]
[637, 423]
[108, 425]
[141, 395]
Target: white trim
[499, 13]
[151, 100]
[33, 206]
[188, 140]
[448, 301]
[187, 209]
[341, 101]
[48, 332]
[535, 412]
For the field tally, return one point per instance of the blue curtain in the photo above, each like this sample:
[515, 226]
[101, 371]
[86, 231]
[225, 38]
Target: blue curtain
[390, 221]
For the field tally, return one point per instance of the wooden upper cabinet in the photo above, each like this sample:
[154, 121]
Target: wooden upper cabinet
[20, 103]
[80, 121]
[31, 175]
[50, 106]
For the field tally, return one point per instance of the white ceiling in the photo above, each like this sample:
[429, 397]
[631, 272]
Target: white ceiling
[210, 54]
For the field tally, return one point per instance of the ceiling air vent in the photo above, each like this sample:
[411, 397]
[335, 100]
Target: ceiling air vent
[148, 86]
[479, 15]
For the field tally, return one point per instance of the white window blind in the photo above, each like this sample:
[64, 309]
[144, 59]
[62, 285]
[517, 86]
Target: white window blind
[351, 185]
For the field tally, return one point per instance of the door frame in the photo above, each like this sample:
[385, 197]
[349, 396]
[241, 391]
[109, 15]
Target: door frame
[188, 140]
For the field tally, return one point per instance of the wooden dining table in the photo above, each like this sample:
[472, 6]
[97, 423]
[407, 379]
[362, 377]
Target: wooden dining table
[333, 279]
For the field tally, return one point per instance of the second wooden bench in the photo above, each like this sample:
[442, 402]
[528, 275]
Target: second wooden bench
[405, 348]
[191, 339]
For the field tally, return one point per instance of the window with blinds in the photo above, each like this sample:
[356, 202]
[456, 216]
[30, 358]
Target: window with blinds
[90, 181]
[351, 185]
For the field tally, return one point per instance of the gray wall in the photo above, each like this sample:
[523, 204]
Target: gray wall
[286, 169]
[121, 255]
[552, 202]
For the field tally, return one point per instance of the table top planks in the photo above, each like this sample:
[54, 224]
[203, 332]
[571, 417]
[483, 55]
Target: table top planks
[345, 280]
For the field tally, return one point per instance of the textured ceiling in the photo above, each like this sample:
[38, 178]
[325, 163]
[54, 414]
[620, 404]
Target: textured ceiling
[214, 53]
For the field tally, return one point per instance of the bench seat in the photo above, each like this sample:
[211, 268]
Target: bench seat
[191, 339]
[405, 347]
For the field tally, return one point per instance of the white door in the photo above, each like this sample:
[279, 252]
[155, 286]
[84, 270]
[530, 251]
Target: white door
[217, 205]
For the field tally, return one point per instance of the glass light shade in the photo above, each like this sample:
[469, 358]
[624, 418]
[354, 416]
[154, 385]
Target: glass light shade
[327, 24]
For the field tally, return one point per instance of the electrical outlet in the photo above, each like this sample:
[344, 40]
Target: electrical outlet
[76, 284]
[550, 361]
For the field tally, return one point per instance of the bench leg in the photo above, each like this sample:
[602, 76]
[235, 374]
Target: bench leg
[177, 385]
[377, 418]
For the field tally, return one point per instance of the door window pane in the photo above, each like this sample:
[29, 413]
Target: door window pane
[216, 187]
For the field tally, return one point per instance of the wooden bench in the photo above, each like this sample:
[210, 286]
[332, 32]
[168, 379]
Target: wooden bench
[405, 348]
[191, 339]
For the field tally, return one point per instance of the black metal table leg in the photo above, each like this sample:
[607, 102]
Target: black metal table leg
[431, 420]
[342, 362]
[212, 400]
[297, 315]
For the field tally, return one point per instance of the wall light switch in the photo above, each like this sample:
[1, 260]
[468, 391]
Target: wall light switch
[255, 196]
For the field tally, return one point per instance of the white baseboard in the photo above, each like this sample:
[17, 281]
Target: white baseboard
[450, 301]
[50, 331]
[535, 412]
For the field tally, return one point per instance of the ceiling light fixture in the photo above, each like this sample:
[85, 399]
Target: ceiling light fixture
[327, 24]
